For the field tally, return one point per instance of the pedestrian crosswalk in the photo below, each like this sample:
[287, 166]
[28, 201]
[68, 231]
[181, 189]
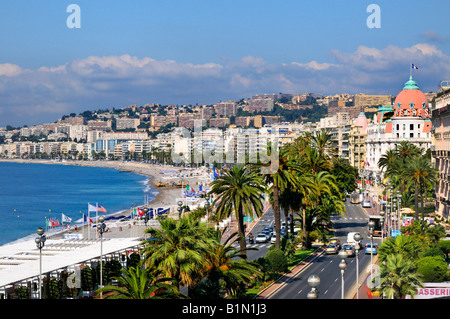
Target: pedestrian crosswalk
[265, 245]
[349, 218]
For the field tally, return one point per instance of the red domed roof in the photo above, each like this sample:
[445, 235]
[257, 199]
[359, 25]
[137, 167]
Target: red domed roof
[411, 101]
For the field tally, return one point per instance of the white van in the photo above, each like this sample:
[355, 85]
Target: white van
[351, 238]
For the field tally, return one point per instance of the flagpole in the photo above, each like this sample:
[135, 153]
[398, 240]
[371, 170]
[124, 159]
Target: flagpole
[96, 213]
[410, 70]
[89, 218]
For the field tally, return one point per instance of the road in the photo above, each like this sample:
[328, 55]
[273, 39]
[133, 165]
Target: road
[261, 248]
[326, 266]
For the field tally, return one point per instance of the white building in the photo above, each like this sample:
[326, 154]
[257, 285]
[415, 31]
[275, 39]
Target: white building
[407, 120]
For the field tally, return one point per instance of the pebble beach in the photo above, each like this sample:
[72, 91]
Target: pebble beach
[166, 196]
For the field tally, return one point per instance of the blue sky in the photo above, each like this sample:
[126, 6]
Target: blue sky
[187, 52]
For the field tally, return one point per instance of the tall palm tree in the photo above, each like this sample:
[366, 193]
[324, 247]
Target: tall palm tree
[140, 283]
[238, 190]
[279, 179]
[418, 172]
[398, 277]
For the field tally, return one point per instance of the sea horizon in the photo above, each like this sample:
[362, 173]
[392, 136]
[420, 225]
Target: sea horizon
[34, 192]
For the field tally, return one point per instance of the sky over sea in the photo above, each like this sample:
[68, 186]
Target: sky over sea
[56, 60]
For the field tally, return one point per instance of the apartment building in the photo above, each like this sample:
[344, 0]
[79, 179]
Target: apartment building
[127, 123]
[369, 100]
[357, 141]
[260, 105]
[441, 148]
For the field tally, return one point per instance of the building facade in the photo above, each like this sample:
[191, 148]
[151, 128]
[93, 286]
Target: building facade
[441, 149]
[408, 119]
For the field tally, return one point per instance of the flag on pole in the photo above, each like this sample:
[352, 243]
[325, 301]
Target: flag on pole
[93, 208]
[65, 219]
[101, 209]
[140, 212]
[85, 219]
[413, 66]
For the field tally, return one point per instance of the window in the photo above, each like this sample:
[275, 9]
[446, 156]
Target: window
[411, 127]
[411, 135]
[398, 127]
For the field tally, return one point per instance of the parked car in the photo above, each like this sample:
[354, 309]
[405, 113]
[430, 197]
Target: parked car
[349, 249]
[331, 249]
[261, 238]
[370, 249]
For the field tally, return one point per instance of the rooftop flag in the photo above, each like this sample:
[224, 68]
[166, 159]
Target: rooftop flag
[413, 66]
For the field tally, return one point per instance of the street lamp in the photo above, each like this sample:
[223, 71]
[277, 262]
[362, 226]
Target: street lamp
[101, 229]
[382, 224]
[342, 265]
[207, 198]
[146, 217]
[357, 238]
[371, 225]
[399, 214]
[40, 243]
[179, 209]
[388, 221]
[313, 281]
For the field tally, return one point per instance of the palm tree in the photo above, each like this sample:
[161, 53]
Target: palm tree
[419, 172]
[228, 267]
[398, 277]
[178, 250]
[139, 283]
[238, 190]
[435, 233]
[407, 246]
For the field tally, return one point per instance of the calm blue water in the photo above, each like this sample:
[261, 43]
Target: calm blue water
[31, 192]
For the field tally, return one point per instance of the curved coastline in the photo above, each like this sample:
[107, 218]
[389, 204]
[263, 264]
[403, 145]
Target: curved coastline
[165, 196]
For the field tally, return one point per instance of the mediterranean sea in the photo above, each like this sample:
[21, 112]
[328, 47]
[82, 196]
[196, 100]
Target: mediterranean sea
[30, 193]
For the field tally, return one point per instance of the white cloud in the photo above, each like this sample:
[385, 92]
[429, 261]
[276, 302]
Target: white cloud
[43, 95]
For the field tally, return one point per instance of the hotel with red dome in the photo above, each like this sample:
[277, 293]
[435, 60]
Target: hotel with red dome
[407, 119]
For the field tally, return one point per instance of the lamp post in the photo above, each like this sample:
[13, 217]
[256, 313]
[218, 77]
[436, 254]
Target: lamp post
[179, 209]
[357, 238]
[40, 243]
[101, 229]
[146, 217]
[371, 225]
[382, 224]
[207, 198]
[399, 216]
[388, 219]
[342, 265]
[313, 281]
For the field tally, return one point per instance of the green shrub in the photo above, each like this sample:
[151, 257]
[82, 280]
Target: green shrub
[432, 268]
[276, 261]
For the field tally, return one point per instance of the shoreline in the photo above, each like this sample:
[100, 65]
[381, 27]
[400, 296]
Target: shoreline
[165, 196]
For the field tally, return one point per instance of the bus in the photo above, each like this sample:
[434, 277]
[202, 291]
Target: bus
[377, 228]
[356, 198]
